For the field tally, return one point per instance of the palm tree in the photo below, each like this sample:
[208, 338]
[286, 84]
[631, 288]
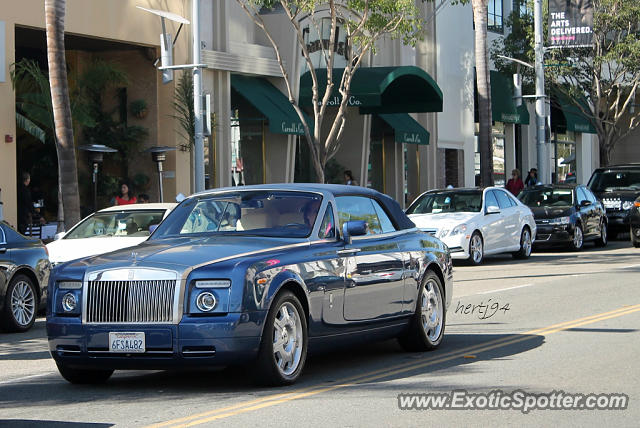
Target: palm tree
[54, 11]
[484, 91]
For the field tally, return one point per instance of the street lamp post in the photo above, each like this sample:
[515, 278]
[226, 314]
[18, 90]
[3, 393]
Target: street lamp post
[159, 155]
[541, 134]
[96, 154]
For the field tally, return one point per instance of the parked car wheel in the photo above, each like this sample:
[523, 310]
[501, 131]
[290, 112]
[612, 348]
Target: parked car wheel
[20, 304]
[577, 242]
[283, 349]
[476, 249]
[525, 245]
[426, 328]
[603, 239]
[634, 241]
[82, 376]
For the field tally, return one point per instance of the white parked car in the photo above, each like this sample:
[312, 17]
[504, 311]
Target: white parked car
[108, 230]
[475, 222]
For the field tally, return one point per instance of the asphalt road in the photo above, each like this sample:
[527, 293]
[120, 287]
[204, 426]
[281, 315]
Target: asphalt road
[565, 322]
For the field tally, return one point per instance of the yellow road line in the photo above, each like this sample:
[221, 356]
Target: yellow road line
[275, 399]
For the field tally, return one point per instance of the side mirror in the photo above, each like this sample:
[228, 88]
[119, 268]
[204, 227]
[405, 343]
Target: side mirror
[492, 209]
[59, 236]
[353, 228]
[152, 228]
[585, 203]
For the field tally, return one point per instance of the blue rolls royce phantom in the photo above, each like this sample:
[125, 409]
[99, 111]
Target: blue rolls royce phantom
[256, 275]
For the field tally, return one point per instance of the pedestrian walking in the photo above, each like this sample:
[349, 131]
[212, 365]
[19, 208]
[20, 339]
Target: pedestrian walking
[348, 178]
[515, 185]
[25, 203]
[124, 198]
[532, 178]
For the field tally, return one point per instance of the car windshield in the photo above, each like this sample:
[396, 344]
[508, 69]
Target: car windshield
[447, 202]
[547, 197]
[128, 223]
[259, 213]
[604, 181]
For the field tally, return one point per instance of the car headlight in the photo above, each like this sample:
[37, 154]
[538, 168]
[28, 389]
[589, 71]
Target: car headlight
[560, 220]
[69, 302]
[70, 285]
[461, 228]
[443, 233]
[627, 205]
[213, 283]
[206, 301]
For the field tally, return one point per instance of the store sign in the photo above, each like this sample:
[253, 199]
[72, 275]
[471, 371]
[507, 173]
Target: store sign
[510, 118]
[292, 128]
[411, 138]
[570, 23]
[337, 99]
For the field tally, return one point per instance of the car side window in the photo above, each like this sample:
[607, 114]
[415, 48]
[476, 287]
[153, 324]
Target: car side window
[503, 199]
[490, 200]
[385, 222]
[590, 195]
[328, 225]
[358, 208]
[3, 237]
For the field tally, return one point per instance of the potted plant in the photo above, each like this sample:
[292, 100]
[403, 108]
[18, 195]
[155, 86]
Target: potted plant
[139, 108]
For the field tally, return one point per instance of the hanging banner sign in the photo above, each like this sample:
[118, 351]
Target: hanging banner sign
[570, 23]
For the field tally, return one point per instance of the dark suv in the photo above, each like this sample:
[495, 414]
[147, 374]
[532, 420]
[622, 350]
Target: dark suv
[617, 187]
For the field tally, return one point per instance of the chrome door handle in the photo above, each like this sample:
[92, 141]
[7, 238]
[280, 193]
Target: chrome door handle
[348, 251]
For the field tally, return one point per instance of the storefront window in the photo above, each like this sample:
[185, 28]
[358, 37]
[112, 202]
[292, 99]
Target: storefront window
[247, 150]
[497, 139]
[565, 157]
[375, 167]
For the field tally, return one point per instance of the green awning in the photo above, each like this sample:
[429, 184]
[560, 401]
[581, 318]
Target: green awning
[503, 106]
[275, 106]
[405, 89]
[406, 128]
[567, 116]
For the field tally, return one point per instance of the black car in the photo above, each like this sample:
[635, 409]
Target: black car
[634, 223]
[24, 273]
[566, 214]
[617, 187]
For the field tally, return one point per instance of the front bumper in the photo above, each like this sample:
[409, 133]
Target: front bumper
[194, 342]
[618, 220]
[458, 245]
[553, 234]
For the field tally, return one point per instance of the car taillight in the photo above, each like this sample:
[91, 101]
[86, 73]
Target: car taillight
[46, 250]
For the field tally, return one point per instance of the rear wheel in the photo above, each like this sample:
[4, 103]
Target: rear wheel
[603, 238]
[525, 245]
[426, 328]
[283, 349]
[84, 376]
[476, 249]
[577, 241]
[20, 304]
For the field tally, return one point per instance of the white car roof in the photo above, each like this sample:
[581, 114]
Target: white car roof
[136, 207]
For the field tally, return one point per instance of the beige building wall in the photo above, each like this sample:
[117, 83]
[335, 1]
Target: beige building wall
[115, 20]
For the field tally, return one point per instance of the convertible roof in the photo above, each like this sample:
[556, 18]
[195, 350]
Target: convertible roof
[390, 205]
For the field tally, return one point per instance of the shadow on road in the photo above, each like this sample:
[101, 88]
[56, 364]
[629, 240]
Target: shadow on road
[386, 359]
[25, 423]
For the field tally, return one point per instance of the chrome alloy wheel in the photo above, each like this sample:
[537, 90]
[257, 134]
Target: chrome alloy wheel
[432, 310]
[577, 237]
[526, 242]
[475, 248]
[23, 303]
[287, 339]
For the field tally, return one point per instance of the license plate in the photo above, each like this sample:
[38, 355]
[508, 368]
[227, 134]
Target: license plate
[126, 342]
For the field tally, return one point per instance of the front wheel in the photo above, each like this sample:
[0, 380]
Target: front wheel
[577, 241]
[426, 328]
[634, 239]
[84, 376]
[476, 249]
[603, 238]
[20, 304]
[525, 245]
[283, 349]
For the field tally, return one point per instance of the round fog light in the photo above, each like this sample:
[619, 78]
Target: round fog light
[69, 302]
[206, 301]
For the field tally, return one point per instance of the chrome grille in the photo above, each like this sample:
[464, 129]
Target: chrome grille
[130, 301]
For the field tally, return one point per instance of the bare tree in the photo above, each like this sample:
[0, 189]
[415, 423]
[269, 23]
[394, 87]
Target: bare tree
[365, 22]
[67, 169]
